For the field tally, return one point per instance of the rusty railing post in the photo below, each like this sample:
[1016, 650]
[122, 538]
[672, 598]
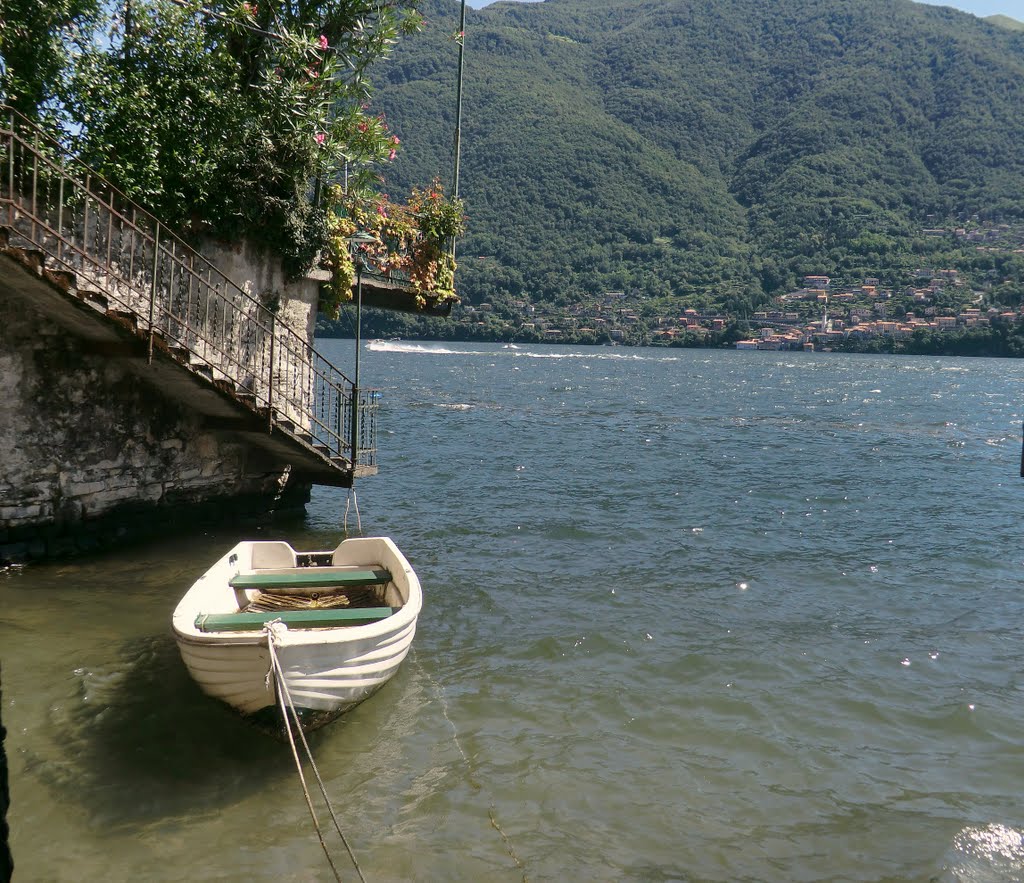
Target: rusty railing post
[10, 172]
[355, 381]
[85, 219]
[60, 215]
[35, 189]
[152, 288]
[270, 376]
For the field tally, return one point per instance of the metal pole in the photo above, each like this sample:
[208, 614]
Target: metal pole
[355, 382]
[458, 101]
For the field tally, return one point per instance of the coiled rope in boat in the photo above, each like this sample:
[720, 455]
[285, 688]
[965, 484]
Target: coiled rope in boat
[290, 715]
[266, 601]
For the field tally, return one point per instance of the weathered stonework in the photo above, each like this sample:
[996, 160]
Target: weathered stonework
[143, 388]
[260, 275]
[91, 453]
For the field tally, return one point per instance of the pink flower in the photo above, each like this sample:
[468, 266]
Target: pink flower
[395, 139]
[322, 42]
[392, 154]
[320, 137]
[362, 126]
[382, 210]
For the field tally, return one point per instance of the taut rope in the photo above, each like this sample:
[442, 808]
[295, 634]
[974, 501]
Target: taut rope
[352, 500]
[284, 697]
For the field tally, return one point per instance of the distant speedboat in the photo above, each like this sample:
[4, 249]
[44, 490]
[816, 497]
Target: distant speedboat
[341, 623]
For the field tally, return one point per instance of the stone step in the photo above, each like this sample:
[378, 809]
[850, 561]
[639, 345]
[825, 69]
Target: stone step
[63, 279]
[103, 297]
[95, 299]
[126, 319]
[32, 258]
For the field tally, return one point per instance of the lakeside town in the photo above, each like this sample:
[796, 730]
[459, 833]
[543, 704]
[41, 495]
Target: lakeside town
[870, 311]
[821, 314]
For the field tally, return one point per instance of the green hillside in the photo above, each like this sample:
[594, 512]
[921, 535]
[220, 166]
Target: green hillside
[710, 154]
[1006, 22]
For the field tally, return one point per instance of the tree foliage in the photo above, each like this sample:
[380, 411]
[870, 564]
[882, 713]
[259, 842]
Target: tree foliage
[224, 118]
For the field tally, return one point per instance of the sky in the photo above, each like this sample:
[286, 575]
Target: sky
[1012, 8]
[981, 8]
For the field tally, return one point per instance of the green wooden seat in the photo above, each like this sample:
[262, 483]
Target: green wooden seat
[311, 578]
[314, 618]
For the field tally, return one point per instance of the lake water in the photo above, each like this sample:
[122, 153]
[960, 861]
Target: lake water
[689, 615]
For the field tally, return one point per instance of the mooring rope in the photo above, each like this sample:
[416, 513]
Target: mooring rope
[285, 700]
[492, 810]
[353, 500]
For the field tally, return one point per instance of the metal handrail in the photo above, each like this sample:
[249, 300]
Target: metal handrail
[88, 227]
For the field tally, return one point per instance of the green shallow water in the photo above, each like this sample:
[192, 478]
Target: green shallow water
[688, 616]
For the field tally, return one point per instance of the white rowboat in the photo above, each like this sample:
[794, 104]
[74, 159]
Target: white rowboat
[341, 622]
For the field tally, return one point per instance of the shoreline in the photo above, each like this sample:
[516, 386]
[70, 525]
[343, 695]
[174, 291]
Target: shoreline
[958, 346]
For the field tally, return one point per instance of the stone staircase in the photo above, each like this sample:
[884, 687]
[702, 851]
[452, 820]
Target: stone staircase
[109, 272]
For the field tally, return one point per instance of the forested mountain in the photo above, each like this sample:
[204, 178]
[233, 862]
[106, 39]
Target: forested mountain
[1006, 22]
[708, 152]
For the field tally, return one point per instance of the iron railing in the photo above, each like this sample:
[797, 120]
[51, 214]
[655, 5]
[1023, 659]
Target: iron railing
[174, 295]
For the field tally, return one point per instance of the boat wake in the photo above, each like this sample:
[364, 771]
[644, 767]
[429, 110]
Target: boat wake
[400, 346]
[509, 350]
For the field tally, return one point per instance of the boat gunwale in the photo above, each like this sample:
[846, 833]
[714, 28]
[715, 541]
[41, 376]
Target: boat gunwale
[403, 618]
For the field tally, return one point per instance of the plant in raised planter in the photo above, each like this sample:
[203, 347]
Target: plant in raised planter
[414, 245]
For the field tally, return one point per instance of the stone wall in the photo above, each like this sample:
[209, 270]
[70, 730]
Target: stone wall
[260, 275]
[295, 303]
[91, 453]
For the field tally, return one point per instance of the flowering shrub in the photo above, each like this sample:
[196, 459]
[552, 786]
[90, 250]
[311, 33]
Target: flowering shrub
[220, 116]
[414, 244]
